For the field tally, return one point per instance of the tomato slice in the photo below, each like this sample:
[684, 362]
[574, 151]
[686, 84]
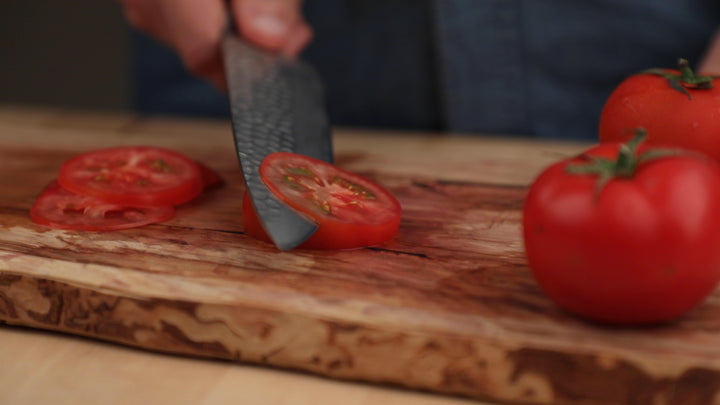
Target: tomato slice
[210, 178]
[351, 211]
[138, 176]
[62, 209]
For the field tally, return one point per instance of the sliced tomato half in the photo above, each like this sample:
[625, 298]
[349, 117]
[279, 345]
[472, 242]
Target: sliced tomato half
[350, 210]
[138, 176]
[62, 209]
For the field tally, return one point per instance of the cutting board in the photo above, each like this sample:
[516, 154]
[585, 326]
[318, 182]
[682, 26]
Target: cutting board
[449, 306]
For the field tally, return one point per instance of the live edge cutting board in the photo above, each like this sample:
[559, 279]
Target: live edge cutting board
[449, 306]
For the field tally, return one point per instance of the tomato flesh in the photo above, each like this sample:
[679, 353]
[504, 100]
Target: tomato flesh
[351, 211]
[139, 176]
[62, 209]
[643, 250]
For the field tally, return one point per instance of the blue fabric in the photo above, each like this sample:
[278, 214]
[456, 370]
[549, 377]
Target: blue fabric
[162, 85]
[546, 67]
[481, 49]
[529, 67]
[376, 58]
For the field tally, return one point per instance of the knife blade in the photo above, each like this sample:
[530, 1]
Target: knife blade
[276, 104]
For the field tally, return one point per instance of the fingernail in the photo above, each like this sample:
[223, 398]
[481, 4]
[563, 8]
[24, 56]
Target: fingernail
[271, 25]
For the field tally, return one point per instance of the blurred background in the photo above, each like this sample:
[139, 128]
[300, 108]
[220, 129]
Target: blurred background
[390, 56]
[74, 54]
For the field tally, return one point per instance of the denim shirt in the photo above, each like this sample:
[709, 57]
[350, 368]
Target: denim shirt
[541, 68]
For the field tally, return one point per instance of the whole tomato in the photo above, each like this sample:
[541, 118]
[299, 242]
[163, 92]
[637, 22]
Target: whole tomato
[677, 107]
[625, 235]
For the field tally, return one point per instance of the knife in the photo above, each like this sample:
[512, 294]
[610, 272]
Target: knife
[276, 104]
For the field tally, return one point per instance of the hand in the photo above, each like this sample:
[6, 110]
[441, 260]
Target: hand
[711, 61]
[194, 28]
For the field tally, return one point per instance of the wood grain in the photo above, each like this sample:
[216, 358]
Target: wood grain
[448, 306]
[49, 368]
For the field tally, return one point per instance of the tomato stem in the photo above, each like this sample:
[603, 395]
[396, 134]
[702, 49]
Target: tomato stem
[685, 79]
[624, 166]
[627, 160]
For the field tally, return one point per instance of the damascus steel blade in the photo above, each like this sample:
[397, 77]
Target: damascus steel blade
[276, 104]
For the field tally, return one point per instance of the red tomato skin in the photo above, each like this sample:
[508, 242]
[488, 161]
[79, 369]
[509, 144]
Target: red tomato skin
[329, 235]
[669, 116]
[646, 250]
[210, 178]
[184, 184]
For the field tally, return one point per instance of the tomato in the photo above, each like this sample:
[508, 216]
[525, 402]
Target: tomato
[62, 209]
[350, 210]
[139, 176]
[640, 246]
[681, 110]
[210, 178]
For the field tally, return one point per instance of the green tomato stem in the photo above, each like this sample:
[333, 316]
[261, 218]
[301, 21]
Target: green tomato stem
[624, 166]
[686, 79]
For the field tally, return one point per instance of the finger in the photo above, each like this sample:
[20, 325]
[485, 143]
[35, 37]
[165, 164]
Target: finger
[193, 28]
[196, 28]
[268, 23]
[299, 38]
[217, 79]
[211, 69]
[711, 61]
[144, 16]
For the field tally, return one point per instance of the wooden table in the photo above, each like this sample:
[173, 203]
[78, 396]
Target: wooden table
[449, 306]
[46, 368]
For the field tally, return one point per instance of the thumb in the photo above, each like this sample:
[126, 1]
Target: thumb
[276, 25]
[711, 61]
